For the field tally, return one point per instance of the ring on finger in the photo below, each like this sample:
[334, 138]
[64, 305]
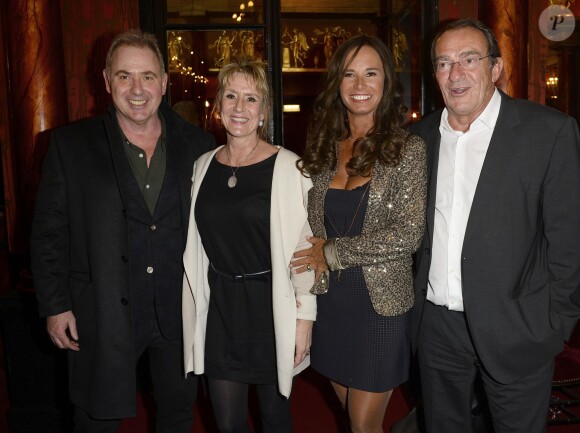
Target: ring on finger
[308, 268]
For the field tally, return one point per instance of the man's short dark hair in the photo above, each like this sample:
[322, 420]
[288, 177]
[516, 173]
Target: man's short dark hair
[492, 45]
[134, 38]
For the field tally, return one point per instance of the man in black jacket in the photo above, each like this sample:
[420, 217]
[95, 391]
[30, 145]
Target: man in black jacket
[107, 241]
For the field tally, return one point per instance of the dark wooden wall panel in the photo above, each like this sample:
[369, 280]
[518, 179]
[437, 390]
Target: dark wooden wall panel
[87, 29]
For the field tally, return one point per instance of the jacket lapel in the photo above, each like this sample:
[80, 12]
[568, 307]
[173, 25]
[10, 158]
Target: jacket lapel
[118, 157]
[433, 144]
[183, 170]
[319, 191]
[496, 163]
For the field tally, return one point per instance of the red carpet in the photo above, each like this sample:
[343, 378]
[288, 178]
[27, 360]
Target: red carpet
[314, 406]
[315, 409]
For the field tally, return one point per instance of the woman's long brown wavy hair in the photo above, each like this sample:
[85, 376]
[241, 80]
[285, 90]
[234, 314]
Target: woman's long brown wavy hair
[329, 123]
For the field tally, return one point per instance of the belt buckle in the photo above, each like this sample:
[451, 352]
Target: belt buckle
[238, 277]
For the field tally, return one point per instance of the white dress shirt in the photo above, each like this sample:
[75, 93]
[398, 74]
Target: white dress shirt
[461, 157]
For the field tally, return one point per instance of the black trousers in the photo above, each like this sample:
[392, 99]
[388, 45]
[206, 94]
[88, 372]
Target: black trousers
[449, 367]
[174, 394]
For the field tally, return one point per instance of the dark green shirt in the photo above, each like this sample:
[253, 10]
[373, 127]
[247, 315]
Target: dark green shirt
[149, 179]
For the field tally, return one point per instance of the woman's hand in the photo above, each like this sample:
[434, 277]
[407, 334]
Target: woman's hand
[303, 340]
[310, 259]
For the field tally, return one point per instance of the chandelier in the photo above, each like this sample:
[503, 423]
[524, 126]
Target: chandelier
[238, 16]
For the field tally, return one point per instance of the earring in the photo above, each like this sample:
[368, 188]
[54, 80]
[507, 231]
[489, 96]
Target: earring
[261, 123]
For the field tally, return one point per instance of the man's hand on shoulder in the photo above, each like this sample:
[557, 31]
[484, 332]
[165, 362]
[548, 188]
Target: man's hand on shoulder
[62, 329]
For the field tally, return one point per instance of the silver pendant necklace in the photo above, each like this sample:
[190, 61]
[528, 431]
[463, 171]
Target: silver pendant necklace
[233, 180]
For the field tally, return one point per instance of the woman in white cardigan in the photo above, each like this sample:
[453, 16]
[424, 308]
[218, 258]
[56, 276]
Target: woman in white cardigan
[247, 320]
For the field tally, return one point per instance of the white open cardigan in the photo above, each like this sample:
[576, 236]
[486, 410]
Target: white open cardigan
[291, 297]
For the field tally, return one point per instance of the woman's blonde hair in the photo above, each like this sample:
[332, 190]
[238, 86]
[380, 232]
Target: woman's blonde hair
[255, 71]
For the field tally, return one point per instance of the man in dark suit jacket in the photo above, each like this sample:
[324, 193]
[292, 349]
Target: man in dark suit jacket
[108, 236]
[498, 273]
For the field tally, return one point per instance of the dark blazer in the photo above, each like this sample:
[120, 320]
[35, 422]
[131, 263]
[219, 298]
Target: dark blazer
[521, 253]
[80, 250]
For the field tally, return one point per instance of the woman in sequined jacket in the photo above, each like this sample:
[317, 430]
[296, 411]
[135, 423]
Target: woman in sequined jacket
[367, 213]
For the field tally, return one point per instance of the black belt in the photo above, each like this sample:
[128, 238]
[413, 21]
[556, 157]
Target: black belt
[241, 277]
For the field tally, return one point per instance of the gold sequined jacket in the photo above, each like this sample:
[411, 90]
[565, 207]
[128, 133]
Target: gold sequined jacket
[392, 229]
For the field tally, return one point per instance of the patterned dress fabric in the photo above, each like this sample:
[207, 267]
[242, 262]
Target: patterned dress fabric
[352, 344]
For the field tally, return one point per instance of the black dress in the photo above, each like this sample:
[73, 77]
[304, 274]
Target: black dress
[234, 225]
[352, 344]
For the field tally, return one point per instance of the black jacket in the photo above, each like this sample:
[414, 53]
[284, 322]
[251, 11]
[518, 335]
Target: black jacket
[80, 250]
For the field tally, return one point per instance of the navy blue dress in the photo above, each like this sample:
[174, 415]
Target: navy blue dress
[352, 344]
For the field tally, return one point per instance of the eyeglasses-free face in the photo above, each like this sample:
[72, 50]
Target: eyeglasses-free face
[137, 84]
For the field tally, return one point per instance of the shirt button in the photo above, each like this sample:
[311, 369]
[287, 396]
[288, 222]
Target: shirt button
[140, 155]
[124, 301]
[150, 269]
[147, 186]
[153, 227]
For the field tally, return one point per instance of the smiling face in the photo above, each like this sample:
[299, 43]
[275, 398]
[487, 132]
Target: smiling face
[241, 106]
[466, 92]
[136, 84]
[361, 88]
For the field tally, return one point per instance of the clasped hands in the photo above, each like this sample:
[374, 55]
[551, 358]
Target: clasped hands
[310, 259]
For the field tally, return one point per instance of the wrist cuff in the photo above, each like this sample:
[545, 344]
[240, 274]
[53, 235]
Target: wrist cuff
[331, 255]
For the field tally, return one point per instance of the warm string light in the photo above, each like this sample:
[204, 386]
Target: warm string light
[181, 64]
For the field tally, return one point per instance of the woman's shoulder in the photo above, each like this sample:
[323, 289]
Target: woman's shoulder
[209, 154]
[286, 163]
[412, 143]
[205, 158]
[287, 159]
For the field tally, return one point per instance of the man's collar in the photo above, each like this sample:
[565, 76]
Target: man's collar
[488, 116]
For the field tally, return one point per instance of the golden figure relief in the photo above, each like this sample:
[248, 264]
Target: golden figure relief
[328, 45]
[297, 44]
[177, 48]
[331, 39]
[224, 47]
[230, 44]
[310, 49]
[248, 40]
[251, 44]
[299, 48]
[400, 47]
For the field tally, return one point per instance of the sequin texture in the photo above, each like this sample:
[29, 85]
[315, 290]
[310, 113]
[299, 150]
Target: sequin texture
[392, 229]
